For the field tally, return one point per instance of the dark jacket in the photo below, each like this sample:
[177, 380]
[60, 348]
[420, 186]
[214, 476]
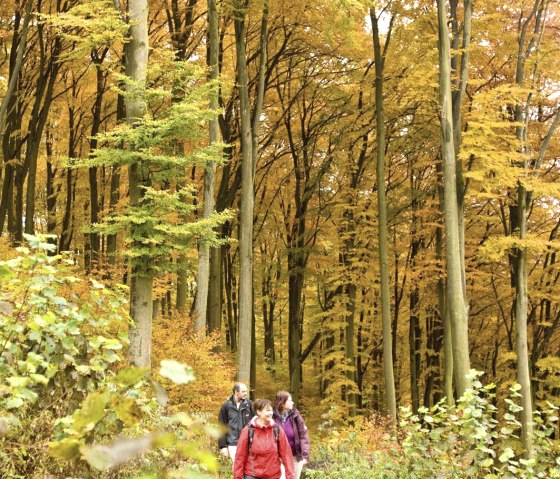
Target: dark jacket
[235, 419]
[301, 436]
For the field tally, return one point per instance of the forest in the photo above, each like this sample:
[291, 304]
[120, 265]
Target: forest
[356, 201]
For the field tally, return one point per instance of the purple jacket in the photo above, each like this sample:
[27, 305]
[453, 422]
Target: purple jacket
[300, 441]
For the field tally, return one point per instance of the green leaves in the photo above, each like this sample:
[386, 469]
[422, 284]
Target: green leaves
[130, 376]
[91, 412]
[45, 330]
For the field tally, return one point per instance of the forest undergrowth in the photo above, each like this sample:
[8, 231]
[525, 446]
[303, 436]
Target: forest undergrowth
[70, 406]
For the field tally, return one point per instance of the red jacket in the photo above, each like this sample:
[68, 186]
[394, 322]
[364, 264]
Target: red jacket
[266, 454]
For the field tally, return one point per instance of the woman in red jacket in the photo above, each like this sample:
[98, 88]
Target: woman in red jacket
[263, 447]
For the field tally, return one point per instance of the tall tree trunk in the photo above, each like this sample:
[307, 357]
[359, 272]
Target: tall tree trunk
[114, 195]
[459, 65]
[388, 372]
[456, 304]
[231, 297]
[37, 122]
[523, 369]
[141, 283]
[11, 149]
[215, 290]
[521, 212]
[67, 228]
[94, 242]
[203, 276]
[247, 201]
[52, 192]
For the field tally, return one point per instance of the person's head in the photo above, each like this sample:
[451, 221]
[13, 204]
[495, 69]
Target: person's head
[263, 408]
[283, 402]
[239, 392]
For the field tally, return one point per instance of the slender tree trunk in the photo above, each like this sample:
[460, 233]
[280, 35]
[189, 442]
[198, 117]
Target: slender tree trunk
[523, 369]
[247, 201]
[38, 120]
[382, 225]
[19, 43]
[115, 194]
[456, 304]
[521, 212]
[66, 232]
[94, 243]
[52, 192]
[459, 64]
[215, 290]
[203, 276]
[114, 197]
[141, 283]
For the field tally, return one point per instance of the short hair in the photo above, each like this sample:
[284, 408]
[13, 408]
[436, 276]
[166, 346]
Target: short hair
[237, 387]
[261, 404]
[281, 399]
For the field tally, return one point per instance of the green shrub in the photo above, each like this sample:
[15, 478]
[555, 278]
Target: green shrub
[464, 441]
[66, 409]
[58, 340]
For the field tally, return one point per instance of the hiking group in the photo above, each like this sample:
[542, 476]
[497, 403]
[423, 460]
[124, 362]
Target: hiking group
[264, 441]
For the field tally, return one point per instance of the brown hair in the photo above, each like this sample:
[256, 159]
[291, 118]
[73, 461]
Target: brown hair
[281, 399]
[261, 404]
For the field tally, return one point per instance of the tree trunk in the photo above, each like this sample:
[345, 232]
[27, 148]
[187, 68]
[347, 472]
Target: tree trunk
[388, 372]
[215, 290]
[37, 122]
[141, 283]
[247, 202]
[19, 43]
[94, 243]
[203, 276]
[520, 213]
[523, 369]
[456, 304]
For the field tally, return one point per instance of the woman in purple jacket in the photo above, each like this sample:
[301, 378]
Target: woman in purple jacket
[290, 420]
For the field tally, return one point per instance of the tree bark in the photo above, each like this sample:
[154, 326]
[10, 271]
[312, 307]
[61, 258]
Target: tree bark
[247, 200]
[203, 275]
[456, 304]
[388, 372]
[141, 283]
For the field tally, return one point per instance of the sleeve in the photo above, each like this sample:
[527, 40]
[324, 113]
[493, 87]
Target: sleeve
[303, 436]
[285, 453]
[241, 454]
[222, 419]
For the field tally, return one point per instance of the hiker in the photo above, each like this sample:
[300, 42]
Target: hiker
[263, 447]
[235, 414]
[290, 420]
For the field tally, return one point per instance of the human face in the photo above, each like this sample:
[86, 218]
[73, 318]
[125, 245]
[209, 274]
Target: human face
[289, 404]
[241, 394]
[265, 415]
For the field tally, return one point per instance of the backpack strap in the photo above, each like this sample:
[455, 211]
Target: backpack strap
[251, 433]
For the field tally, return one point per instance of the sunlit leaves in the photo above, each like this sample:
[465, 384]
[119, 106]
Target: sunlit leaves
[178, 373]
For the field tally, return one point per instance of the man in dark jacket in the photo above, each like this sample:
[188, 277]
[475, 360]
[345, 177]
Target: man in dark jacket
[235, 414]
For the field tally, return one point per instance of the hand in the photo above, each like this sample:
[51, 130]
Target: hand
[224, 451]
[305, 461]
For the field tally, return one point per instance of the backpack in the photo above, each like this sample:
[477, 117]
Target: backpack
[251, 433]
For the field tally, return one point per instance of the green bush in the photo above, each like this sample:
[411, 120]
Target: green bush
[67, 406]
[464, 441]
[58, 340]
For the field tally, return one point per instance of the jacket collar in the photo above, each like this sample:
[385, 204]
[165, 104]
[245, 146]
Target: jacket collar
[255, 424]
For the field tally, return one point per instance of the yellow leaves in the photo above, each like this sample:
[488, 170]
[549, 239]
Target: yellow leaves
[496, 247]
